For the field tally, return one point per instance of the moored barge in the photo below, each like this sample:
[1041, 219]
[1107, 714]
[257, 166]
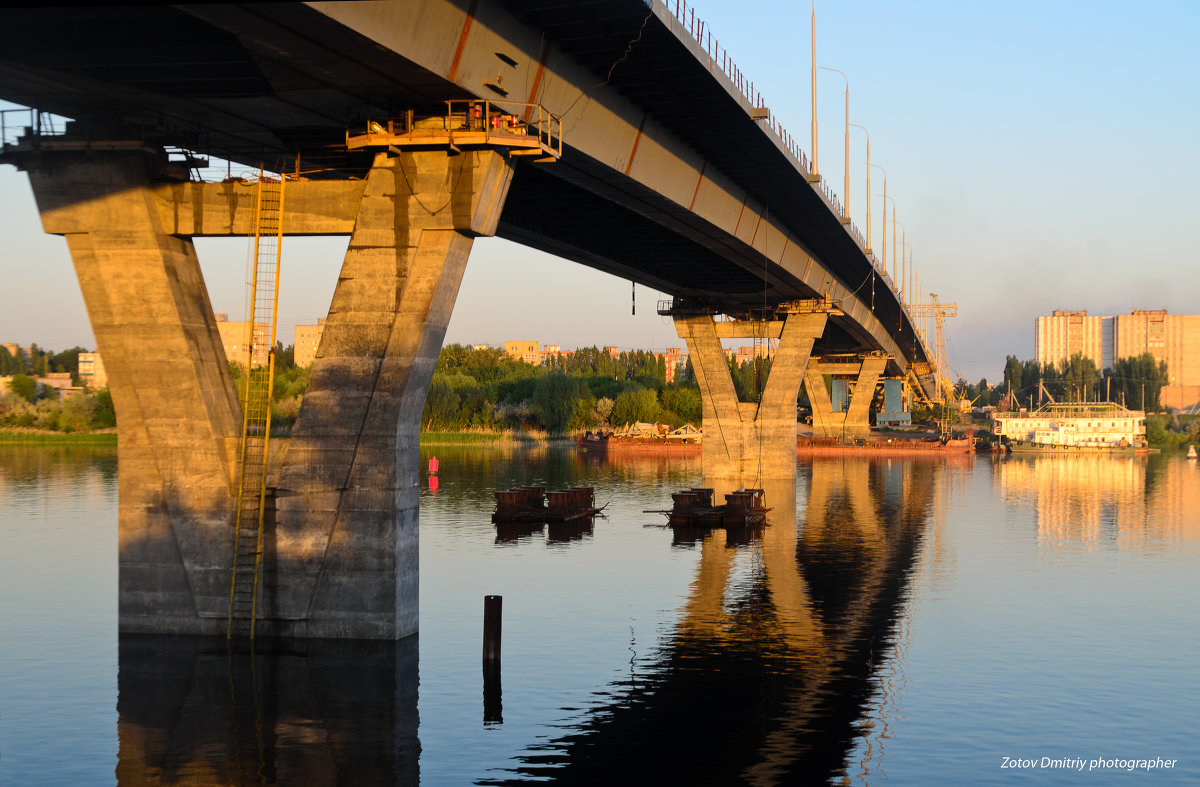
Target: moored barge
[694, 508]
[535, 504]
[1090, 427]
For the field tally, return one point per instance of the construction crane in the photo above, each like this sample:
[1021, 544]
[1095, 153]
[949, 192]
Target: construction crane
[938, 311]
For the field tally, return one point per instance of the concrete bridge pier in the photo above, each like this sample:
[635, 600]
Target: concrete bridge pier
[179, 416]
[347, 502]
[340, 555]
[750, 441]
[854, 422]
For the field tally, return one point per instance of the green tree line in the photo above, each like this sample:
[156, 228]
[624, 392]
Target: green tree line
[41, 362]
[587, 389]
[27, 403]
[1137, 382]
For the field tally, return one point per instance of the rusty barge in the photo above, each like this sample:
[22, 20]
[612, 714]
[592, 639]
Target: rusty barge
[694, 508]
[535, 504]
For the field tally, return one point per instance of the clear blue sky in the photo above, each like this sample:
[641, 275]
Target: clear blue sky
[1041, 155]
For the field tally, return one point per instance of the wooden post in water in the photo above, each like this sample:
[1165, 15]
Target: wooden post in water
[491, 628]
[493, 709]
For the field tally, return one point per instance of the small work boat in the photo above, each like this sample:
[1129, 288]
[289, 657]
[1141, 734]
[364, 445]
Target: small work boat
[1191, 452]
[694, 508]
[535, 504]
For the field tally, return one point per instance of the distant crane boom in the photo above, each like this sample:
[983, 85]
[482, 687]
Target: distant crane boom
[938, 311]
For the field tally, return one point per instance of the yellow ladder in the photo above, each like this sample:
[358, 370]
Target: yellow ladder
[256, 409]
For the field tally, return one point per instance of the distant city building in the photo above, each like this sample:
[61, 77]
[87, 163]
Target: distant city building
[522, 350]
[671, 359]
[235, 337]
[613, 352]
[306, 339]
[58, 384]
[1065, 333]
[91, 371]
[751, 352]
[1173, 339]
[481, 346]
[15, 350]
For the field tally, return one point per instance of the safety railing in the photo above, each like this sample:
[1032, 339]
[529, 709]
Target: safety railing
[28, 129]
[469, 121]
[18, 123]
[683, 14]
[719, 59]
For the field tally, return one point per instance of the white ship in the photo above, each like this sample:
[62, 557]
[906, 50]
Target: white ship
[1091, 427]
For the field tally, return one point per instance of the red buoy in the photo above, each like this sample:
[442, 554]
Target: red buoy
[433, 465]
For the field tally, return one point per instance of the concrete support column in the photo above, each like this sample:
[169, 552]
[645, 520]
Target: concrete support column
[858, 414]
[344, 558]
[178, 413]
[777, 412]
[855, 422]
[750, 441]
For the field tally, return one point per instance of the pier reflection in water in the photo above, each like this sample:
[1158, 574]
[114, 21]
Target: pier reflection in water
[194, 711]
[762, 673]
[897, 618]
[773, 656]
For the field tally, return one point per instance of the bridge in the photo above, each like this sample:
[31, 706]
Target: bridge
[615, 133]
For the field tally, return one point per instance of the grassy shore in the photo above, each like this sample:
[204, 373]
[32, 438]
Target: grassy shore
[479, 437]
[26, 436]
[21, 436]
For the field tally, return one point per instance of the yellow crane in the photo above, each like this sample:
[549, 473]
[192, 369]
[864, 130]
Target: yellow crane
[937, 311]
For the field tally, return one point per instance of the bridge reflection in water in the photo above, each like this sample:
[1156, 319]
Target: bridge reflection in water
[767, 675]
[776, 652]
[191, 711]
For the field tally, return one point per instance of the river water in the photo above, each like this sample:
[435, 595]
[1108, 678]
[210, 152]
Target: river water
[899, 621]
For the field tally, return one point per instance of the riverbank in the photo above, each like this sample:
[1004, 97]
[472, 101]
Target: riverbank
[28, 436]
[490, 438]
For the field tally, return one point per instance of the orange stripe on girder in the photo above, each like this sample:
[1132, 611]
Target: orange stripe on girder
[462, 41]
[636, 141]
[737, 226]
[699, 180]
[537, 79]
[754, 237]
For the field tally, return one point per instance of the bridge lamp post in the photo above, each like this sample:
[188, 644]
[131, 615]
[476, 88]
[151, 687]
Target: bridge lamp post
[868, 133]
[814, 176]
[885, 197]
[846, 182]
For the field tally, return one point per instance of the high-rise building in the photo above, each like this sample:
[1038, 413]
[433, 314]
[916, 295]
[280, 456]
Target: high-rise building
[235, 337]
[671, 359]
[306, 340]
[1066, 333]
[1173, 339]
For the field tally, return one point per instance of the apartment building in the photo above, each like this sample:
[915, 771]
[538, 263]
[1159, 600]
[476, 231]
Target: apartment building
[1173, 339]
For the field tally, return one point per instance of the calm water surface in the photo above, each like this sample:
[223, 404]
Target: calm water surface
[900, 621]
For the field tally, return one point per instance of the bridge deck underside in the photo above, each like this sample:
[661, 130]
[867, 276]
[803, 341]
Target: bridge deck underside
[261, 82]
